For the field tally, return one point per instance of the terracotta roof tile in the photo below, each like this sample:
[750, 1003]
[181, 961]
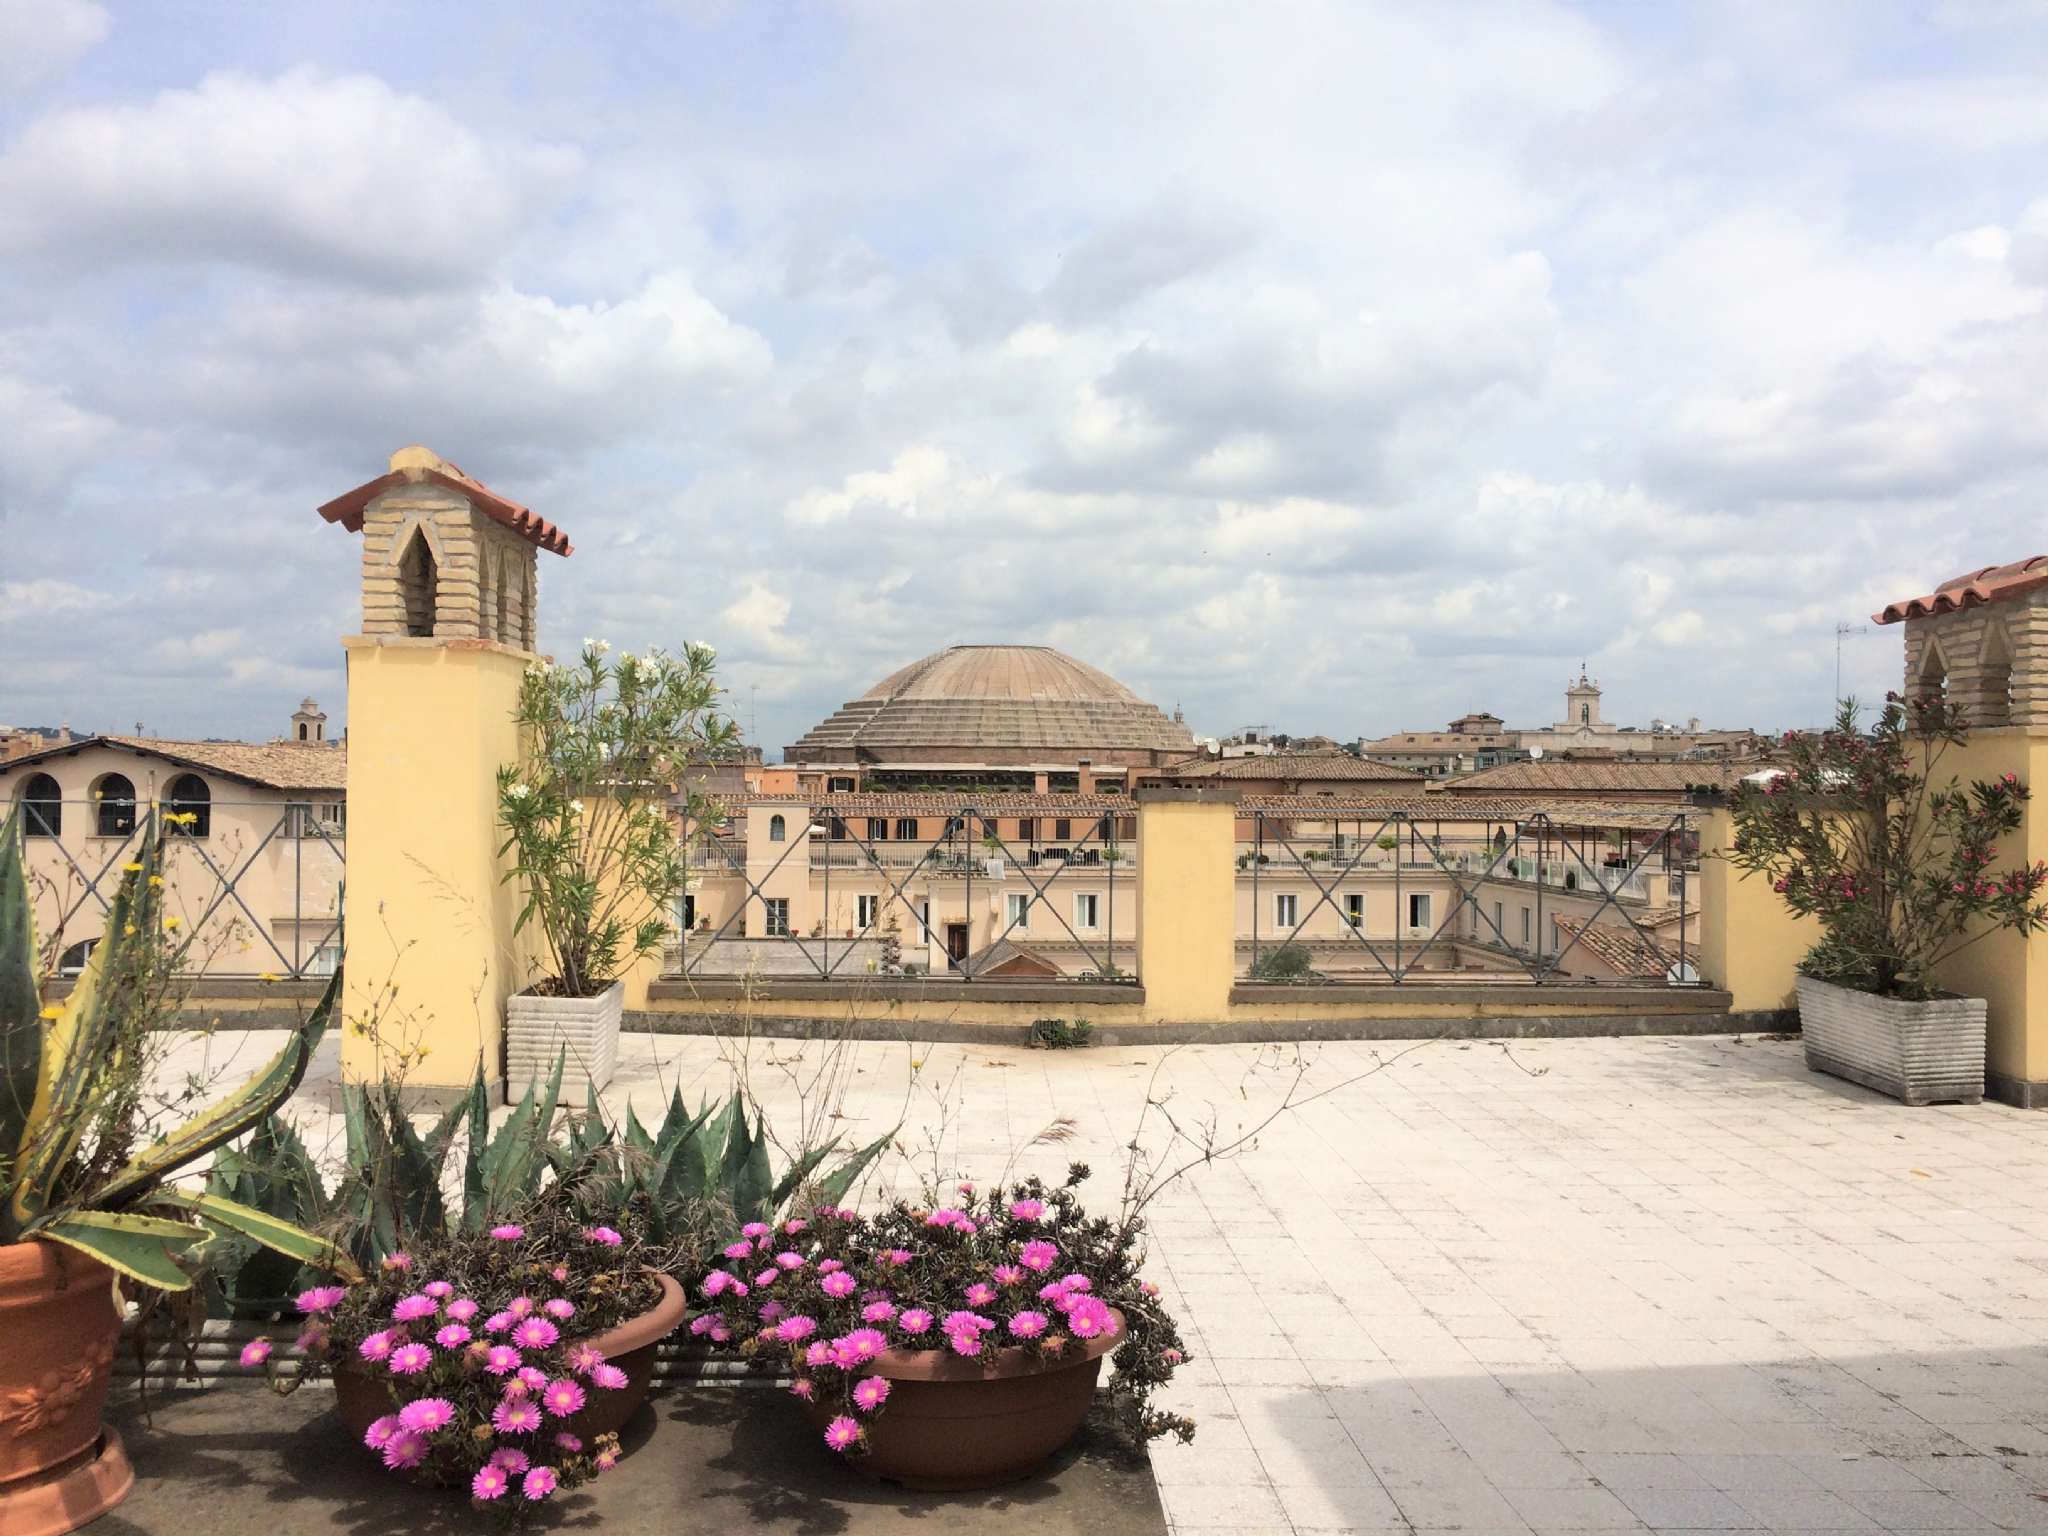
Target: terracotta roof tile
[271, 764]
[1620, 948]
[941, 803]
[347, 508]
[1972, 589]
[1550, 776]
[1314, 766]
[1446, 808]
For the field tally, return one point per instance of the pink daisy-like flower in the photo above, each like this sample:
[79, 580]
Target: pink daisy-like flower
[498, 1322]
[561, 1274]
[607, 1459]
[406, 1451]
[538, 1484]
[828, 1266]
[255, 1352]
[869, 1393]
[866, 1343]
[380, 1432]
[980, 1294]
[508, 1233]
[1055, 1293]
[842, 1433]
[944, 1217]
[966, 1322]
[1027, 1210]
[767, 1277]
[1076, 1282]
[1028, 1325]
[703, 1323]
[738, 1250]
[561, 1397]
[818, 1353]
[536, 1333]
[585, 1358]
[515, 1416]
[754, 1229]
[610, 1377]
[966, 1189]
[1089, 1318]
[1147, 1288]
[322, 1298]
[424, 1415]
[520, 1307]
[410, 1359]
[375, 1347]
[914, 1320]
[789, 1260]
[717, 1283]
[463, 1310]
[603, 1236]
[440, 1290]
[794, 1225]
[878, 1312]
[896, 1258]
[1007, 1274]
[1038, 1255]
[719, 1333]
[409, 1308]
[398, 1261]
[561, 1308]
[964, 1343]
[453, 1336]
[531, 1378]
[794, 1330]
[510, 1459]
[503, 1360]
[802, 1388]
[837, 1285]
[489, 1483]
[568, 1442]
[1171, 1356]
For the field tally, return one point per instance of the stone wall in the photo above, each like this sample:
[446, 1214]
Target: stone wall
[1991, 660]
[484, 574]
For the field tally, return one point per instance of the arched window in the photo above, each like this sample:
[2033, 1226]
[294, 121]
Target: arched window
[1585, 714]
[115, 806]
[74, 959]
[418, 583]
[302, 730]
[777, 829]
[42, 804]
[1931, 687]
[1994, 679]
[189, 796]
[503, 633]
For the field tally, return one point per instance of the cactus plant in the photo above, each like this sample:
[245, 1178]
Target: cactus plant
[71, 1106]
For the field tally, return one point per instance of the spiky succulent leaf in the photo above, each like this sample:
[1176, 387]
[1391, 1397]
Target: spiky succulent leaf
[21, 1024]
[144, 1248]
[272, 1232]
[834, 1189]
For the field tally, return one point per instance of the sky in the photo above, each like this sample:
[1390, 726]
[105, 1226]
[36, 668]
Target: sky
[1336, 368]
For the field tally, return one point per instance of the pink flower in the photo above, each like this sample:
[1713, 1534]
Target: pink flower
[1008, 1274]
[1037, 1255]
[802, 1388]
[878, 1312]
[1076, 1283]
[896, 1258]
[463, 1310]
[498, 1322]
[770, 1310]
[508, 1233]
[375, 1347]
[255, 1352]
[415, 1306]
[1028, 1325]
[440, 1290]
[406, 1451]
[914, 1320]
[410, 1359]
[424, 1415]
[515, 1416]
[794, 1225]
[980, 1294]
[521, 1306]
[754, 1229]
[454, 1336]
[870, 1392]
[739, 1250]
[1027, 1210]
[866, 1343]
[966, 1322]
[561, 1308]
[1055, 1293]
[842, 1433]
[604, 1236]
[703, 1323]
[964, 1343]
[489, 1483]
[531, 1378]
[1088, 1318]
[536, 1333]
[715, 1284]
[398, 1261]
[503, 1360]
[561, 1397]
[794, 1330]
[790, 1260]
[322, 1298]
[538, 1484]
[1171, 1356]
[568, 1442]
[311, 1342]
[381, 1431]
[607, 1459]
[509, 1459]
[610, 1377]
[817, 1353]
[585, 1358]
[767, 1277]
[837, 1285]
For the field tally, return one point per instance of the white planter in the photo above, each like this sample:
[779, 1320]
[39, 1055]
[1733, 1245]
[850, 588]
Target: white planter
[1920, 1053]
[585, 1030]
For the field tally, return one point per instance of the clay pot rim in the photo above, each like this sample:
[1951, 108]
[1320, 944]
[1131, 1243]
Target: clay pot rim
[645, 1328]
[33, 1266]
[1007, 1363]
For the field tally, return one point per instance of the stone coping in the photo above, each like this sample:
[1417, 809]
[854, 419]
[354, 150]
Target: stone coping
[1507, 995]
[866, 988]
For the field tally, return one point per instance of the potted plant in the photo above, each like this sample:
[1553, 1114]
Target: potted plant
[592, 837]
[1857, 830]
[981, 1324]
[85, 1198]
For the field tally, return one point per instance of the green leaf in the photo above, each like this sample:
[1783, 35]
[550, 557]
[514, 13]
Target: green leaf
[272, 1232]
[144, 1248]
[475, 1189]
[749, 1180]
[843, 1178]
[800, 1170]
[21, 1024]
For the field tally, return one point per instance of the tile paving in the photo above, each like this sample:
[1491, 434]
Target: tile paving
[1587, 1285]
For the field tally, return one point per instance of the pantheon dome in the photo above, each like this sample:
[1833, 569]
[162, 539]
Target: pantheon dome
[996, 706]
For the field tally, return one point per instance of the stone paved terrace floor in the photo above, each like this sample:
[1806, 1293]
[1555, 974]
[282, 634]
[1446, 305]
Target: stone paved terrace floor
[1663, 1284]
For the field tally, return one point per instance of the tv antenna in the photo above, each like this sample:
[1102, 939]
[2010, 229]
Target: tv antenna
[1840, 631]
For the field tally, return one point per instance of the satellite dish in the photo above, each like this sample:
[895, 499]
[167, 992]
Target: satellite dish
[1535, 751]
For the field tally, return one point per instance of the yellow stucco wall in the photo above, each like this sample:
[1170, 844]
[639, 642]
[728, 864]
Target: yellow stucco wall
[1750, 944]
[1187, 899]
[430, 721]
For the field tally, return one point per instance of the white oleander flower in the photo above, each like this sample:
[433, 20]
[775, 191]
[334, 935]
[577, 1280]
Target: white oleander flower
[575, 807]
[519, 791]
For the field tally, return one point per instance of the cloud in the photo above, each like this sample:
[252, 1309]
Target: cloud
[46, 440]
[1970, 113]
[338, 175]
[40, 37]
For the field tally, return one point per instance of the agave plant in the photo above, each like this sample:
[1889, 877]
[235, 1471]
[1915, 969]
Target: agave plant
[71, 1102]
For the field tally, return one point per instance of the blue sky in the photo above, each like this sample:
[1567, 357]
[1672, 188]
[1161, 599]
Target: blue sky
[1336, 367]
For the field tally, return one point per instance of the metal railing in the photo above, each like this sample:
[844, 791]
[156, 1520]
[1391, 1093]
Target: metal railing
[256, 885]
[1398, 849]
[969, 852]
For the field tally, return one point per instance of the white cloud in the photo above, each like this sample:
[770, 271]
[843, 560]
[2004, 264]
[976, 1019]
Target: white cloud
[1968, 113]
[44, 439]
[40, 37]
[305, 172]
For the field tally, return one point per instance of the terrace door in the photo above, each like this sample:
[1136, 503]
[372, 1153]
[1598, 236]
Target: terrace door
[956, 943]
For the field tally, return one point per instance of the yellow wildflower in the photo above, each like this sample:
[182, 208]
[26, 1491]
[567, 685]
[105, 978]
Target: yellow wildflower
[53, 1013]
[423, 1053]
[171, 925]
[268, 976]
[156, 882]
[129, 931]
[132, 867]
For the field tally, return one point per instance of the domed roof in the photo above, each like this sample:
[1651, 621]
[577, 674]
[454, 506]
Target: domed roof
[991, 704]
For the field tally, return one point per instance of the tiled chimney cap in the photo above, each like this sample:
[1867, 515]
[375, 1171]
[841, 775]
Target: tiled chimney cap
[1972, 589]
[414, 465]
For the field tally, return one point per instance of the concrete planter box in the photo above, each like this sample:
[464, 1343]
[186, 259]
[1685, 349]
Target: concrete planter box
[537, 1029]
[1919, 1053]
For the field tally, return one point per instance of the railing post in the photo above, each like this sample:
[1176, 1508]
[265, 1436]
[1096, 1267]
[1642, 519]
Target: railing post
[1187, 903]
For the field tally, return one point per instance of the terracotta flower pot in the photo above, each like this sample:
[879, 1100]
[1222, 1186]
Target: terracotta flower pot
[363, 1398]
[59, 1321]
[954, 1422]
